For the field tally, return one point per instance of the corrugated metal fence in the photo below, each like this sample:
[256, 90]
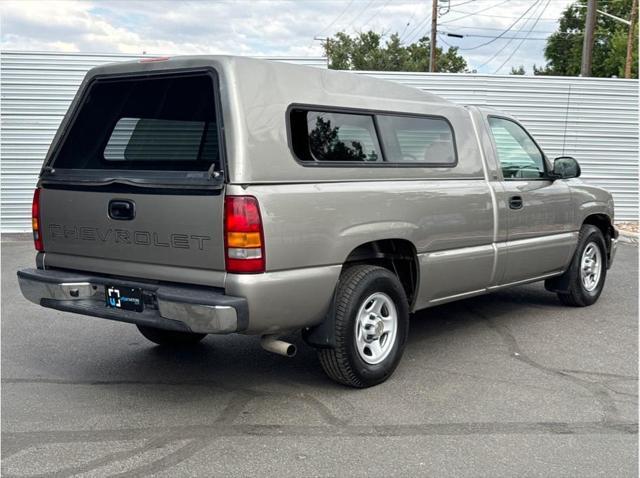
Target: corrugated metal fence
[593, 119]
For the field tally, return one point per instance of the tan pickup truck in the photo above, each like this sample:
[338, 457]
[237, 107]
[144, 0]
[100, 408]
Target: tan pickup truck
[215, 195]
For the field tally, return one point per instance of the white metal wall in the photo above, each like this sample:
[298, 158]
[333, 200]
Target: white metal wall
[601, 119]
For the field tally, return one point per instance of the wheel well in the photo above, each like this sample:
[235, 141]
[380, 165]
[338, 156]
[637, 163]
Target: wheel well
[602, 222]
[397, 255]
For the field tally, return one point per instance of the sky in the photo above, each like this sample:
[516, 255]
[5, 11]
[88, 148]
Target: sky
[279, 27]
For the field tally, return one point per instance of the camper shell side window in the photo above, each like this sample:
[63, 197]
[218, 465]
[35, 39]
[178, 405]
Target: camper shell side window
[339, 136]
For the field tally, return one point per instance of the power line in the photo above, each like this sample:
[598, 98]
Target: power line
[522, 41]
[344, 10]
[501, 38]
[471, 27]
[460, 4]
[469, 14]
[417, 27]
[449, 34]
[478, 12]
[535, 38]
[534, 4]
[413, 14]
[495, 55]
[358, 14]
[377, 12]
[441, 37]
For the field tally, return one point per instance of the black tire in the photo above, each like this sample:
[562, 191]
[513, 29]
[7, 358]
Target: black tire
[170, 337]
[344, 363]
[577, 295]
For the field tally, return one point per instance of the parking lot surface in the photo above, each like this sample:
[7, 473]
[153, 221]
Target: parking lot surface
[509, 384]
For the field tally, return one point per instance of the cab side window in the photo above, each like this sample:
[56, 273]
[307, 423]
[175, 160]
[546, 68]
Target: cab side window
[519, 156]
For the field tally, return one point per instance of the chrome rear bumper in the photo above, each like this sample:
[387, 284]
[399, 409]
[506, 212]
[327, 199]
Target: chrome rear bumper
[183, 308]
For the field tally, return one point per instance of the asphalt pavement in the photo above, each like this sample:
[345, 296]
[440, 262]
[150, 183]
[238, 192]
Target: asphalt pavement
[509, 384]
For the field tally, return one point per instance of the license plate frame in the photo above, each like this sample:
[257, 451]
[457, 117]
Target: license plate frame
[124, 298]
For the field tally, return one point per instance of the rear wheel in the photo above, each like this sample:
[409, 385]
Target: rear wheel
[588, 269]
[169, 337]
[371, 326]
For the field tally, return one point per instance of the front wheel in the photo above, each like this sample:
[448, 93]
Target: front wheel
[371, 315]
[169, 337]
[588, 269]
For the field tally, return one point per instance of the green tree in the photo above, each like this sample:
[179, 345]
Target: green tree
[326, 145]
[518, 71]
[563, 50]
[369, 51]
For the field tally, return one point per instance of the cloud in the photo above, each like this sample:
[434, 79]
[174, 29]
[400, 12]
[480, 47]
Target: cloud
[266, 27]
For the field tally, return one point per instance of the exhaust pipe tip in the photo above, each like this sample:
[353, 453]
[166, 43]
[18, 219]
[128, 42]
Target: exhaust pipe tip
[274, 345]
[292, 350]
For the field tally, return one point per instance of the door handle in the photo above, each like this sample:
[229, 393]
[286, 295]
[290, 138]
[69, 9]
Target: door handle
[515, 202]
[122, 209]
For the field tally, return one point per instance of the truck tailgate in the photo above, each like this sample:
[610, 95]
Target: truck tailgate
[134, 185]
[167, 229]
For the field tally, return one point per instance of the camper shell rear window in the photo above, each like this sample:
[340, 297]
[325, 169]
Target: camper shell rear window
[146, 123]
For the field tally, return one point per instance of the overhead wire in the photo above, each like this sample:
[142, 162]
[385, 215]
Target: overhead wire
[471, 27]
[441, 38]
[534, 4]
[410, 36]
[470, 14]
[344, 10]
[490, 36]
[377, 12]
[413, 14]
[522, 41]
[358, 14]
[475, 13]
[463, 3]
[503, 47]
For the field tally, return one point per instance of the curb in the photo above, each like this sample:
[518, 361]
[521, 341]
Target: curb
[16, 236]
[628, 238]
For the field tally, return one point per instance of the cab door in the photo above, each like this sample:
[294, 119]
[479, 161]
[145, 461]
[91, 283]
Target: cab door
[539, 211]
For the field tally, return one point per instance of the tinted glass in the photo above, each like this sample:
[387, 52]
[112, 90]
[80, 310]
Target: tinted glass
[417, 140]
[141, 139]
[153, 123]
[518, 154]
[322, 136]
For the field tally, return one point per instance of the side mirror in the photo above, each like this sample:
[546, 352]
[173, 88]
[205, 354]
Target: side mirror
[565, 167]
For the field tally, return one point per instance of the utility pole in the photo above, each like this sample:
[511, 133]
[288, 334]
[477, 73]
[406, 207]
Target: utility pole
[587, 45]
[434, 30]
[326, 45]
[630, 39]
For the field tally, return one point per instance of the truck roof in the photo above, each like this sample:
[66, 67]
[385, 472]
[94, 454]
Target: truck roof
[279, 75]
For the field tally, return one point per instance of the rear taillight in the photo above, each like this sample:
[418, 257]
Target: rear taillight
[35, 221]
[243, 235]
